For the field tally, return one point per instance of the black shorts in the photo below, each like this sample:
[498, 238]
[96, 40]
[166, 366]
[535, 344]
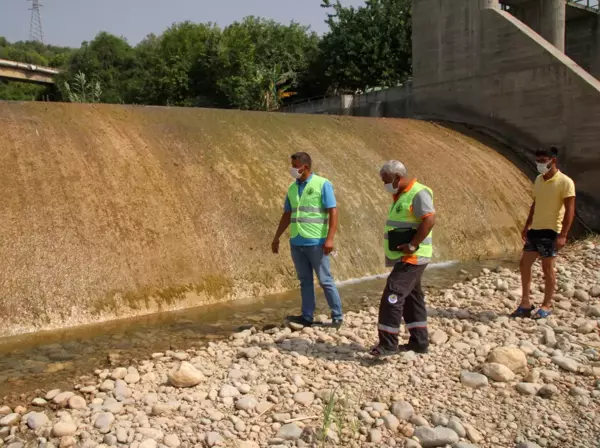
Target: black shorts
[543, 242]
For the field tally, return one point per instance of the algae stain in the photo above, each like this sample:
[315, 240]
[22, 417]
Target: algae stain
[117, 301]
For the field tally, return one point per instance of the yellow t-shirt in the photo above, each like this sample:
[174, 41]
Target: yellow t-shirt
[549, 196]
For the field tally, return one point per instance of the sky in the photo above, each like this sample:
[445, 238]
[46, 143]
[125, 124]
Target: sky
[70, 22]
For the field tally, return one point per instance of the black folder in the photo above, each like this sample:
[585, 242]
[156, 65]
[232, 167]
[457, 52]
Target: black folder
[398, 237]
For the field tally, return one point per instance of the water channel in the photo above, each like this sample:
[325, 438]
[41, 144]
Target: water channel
[57, 359]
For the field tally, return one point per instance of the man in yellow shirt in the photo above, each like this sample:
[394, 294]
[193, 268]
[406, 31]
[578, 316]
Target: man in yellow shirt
[546, 230]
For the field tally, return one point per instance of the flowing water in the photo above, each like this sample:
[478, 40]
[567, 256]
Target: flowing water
[57, 358]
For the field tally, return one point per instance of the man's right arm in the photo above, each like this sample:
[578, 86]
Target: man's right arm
[284, 222]
[528, 222]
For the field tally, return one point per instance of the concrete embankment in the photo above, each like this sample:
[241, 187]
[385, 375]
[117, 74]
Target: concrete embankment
[112, 211]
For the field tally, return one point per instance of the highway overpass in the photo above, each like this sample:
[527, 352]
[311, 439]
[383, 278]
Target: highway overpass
[20, 71]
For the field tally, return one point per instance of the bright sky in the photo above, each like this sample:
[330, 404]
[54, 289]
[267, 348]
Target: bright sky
[70, 22]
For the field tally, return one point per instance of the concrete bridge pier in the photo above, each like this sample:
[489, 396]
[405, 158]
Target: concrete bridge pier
[545, 17]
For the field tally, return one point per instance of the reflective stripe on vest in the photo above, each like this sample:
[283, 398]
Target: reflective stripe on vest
[401, 216]
[309, 218]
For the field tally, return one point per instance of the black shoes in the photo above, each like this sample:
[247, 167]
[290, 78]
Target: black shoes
[299, 320]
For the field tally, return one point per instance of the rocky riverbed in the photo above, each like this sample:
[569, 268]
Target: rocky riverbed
[488, 381]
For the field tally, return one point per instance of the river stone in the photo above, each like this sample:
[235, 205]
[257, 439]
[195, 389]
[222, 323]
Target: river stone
[304, 398]
[77, 402]
[455, 425]
[121, 390]
[151, 433]
[391, 422]
[549, 336]
[403, 410]
[63, 397]
[593, 311]
[64, 428]
[52, 393]
[149, 443]
[498, 372]
[103, 421]
[566, 363]
[186, 375]
[122, 435]
[133, 377]
[171, 441]
[248, 444]
[10, 419]
[39, 402]
[119, 373]
[291, 431]
[438, 337]
[511, 357]
[528, 388]
[581, 295]
[107, 386]
[464, 445]
[547, 391]
[528, 445]
[36, 420]
[473, 435]
[433, 437]
[472, 379]
[375, 436]
[249, 352]
[247, 403]
[228, 391]
[595, 291]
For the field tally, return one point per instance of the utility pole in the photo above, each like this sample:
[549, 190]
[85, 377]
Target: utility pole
[36, 32]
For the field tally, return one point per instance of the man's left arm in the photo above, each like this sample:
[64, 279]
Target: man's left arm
[329, 203]
[423, 208]
[561, 241]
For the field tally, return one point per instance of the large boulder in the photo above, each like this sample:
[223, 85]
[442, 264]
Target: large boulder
[186, 375]
[511, 357]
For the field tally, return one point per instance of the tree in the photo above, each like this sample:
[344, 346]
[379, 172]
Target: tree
[248, 52]
[369, 46]
[110, 60]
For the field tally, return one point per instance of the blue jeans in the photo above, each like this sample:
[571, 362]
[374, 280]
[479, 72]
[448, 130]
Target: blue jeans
[308, 259]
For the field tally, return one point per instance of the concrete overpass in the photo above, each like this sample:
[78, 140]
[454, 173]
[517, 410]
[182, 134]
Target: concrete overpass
[20, 71]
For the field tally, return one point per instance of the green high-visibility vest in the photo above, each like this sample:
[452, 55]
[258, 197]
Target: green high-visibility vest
[401, 216]
[309, 218]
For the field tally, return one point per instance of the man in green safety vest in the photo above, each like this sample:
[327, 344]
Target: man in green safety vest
[310, 208]
[408, 249]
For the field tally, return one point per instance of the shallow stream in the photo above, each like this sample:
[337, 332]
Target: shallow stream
[55, 359]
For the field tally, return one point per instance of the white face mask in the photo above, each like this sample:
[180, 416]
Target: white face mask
[390, 188]
[543, 168]
[295, 173]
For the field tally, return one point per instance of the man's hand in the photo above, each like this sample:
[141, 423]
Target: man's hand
[561, 241]
[524, 234]
[275, 246]
[404, 248]
[328, 246]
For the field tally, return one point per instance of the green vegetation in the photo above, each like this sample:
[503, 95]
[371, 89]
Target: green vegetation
[255, 64]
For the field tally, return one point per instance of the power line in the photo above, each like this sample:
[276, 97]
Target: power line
[36, 32]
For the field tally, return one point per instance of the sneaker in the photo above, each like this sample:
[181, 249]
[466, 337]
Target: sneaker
[336, 323]
[522, 312]
[414, 348]
[299, 320]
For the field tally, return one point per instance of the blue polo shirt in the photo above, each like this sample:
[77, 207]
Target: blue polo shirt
[328, 200]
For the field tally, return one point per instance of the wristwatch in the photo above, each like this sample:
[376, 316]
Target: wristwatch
[412, 248]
